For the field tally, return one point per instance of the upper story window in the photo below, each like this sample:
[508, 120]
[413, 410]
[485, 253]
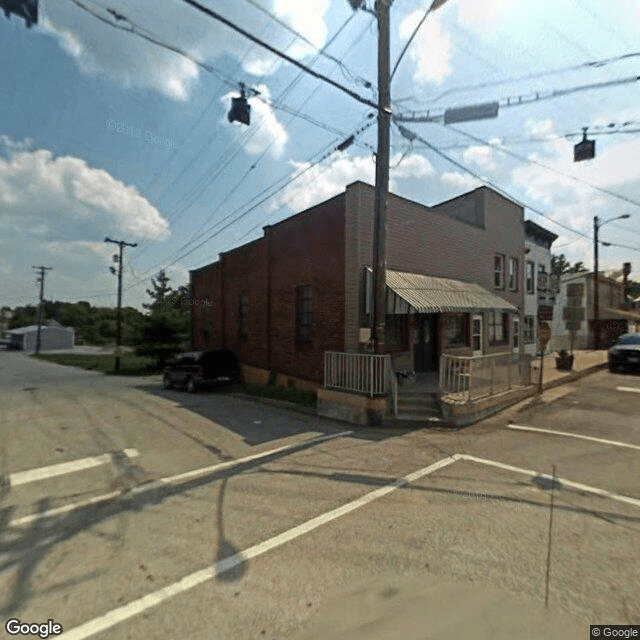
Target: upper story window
[531, 277]
[513, 274]
[303, 314]
[498, 270]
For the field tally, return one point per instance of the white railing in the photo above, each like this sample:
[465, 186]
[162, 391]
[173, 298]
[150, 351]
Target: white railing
[473, 377]
[367, 373]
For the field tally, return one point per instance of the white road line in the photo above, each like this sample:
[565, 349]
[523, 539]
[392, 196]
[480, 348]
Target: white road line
[155, 484]
[153, 599]
[575, 435]
[631, 389]
[42, 473]
[568, 483]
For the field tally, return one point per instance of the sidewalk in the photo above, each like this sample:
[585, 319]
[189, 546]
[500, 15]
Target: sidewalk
[584, 362]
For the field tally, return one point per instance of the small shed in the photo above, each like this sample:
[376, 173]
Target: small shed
[53, 336]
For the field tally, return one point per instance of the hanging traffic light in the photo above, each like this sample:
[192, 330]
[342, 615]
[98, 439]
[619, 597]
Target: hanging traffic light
[584, 150]
[27, 9]
[240, 108]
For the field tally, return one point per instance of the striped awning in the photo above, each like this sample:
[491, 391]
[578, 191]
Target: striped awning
[428, 294]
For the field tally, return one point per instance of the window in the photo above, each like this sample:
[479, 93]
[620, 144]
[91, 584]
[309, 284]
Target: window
[303, 314]
[531, 277]
[455, 330]
[243, 314]
[529, 329]
[498, 328]
[513, 274]
[366, 299]
[207, 319]
[498, 269]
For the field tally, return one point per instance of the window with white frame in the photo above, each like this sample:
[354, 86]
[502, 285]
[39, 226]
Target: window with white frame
[529, 329]
[498, 270]
[531, 277]
[513, 274]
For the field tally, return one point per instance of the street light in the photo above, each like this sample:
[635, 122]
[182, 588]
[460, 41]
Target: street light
[596, 301]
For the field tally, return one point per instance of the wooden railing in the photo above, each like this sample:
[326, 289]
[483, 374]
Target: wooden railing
[473, 377]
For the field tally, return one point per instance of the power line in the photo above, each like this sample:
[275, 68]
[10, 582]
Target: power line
[280, 54]
[411, 135]
[593, 64]
[545, 166]
[517, 101]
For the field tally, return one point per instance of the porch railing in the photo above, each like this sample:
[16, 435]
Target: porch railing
[473, 377]
[367, 373]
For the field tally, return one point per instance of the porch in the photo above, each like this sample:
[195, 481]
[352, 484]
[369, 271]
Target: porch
[451, 395]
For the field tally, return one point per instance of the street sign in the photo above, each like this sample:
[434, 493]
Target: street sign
[544, 335]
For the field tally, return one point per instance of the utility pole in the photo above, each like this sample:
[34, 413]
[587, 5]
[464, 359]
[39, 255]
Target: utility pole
[382, 180]
[43, 271]
[596, 277]
[121, 244]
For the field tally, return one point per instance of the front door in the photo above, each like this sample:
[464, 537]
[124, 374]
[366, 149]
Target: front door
[516, 335]
[425, 343]
[476, 335]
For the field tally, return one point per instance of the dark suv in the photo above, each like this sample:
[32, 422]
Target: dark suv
[198, 369]
[625, 353]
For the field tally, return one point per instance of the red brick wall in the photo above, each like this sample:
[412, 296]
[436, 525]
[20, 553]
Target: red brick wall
[205, 303]
[307, 249]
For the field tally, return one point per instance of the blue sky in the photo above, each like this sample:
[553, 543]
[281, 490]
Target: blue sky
[105, 134]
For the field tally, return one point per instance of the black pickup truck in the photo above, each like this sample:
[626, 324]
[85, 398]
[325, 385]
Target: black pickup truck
[199, 369]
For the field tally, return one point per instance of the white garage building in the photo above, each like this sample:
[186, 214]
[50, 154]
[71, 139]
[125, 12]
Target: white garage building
[53, 336]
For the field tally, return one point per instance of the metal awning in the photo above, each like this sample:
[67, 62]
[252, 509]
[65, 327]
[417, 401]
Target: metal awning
[428, 294]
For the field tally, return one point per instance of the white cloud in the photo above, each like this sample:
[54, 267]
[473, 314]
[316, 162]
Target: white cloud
[480, 155]
[324, 181]
[462, 181]
[266, 131]
[431, 49]
[56, 198]
[130, 61]
[479, 13]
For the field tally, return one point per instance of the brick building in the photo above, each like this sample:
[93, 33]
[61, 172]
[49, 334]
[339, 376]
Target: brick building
[454, 285]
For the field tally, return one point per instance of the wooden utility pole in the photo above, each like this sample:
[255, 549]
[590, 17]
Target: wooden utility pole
[382, 180]
[121, 244]
[43, 271]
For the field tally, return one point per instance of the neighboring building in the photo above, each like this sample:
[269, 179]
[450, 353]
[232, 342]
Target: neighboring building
[453, 285]
[575, 304]
[539, 295]
[53, 336]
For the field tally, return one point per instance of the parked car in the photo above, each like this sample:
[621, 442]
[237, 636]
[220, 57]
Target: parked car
[199, 369]
[625, 353]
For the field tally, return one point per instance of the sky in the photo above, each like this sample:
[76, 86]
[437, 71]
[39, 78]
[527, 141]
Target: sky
[113, 123]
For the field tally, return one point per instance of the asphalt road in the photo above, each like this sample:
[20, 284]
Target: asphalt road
[285, 512]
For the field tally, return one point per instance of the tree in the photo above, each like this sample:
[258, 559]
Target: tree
[560, 265]
[166, 326]
[160, 292]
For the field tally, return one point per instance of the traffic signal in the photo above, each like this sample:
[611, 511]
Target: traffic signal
[584, 150]
[240, 108]
[27, 9]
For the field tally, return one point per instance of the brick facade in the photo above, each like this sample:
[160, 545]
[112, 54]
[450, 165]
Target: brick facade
[306, 249]
[327, 247]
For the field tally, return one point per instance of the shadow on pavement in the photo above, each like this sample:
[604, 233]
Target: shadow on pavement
[258, 421]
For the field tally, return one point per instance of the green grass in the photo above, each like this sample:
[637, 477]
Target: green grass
[277, 392]
[130, 364]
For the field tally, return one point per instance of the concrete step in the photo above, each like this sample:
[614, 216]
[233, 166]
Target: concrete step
[415, 420]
